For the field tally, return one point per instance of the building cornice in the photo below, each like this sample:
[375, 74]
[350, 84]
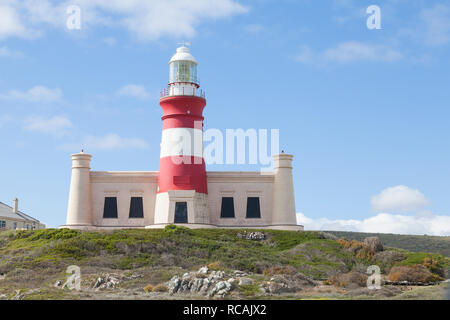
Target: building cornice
[239, 176]
[124, 176]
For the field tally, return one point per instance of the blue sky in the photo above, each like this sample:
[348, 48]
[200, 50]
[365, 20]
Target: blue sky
[365, 112]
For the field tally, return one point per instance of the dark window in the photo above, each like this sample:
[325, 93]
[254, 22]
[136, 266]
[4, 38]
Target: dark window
[181, 212]
[110, 209]
[227, 210]
[136, 208]
[253, 209]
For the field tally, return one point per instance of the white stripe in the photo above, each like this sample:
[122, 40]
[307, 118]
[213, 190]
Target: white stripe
[182, 141]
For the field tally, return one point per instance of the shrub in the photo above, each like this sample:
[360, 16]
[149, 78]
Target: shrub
[148, 288]
[365, 253]
[249, 290]
[350, 244]
[160, 288]
[360, 249]
[279, 270]
[215, 266]
[434, 265]
[351, 279]
[171, 228]
[416, 273]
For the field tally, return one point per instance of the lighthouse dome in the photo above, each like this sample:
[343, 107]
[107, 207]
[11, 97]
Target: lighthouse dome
[183, 54]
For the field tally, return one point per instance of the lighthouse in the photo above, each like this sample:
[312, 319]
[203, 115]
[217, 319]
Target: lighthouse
[182, 191]
[182, 186]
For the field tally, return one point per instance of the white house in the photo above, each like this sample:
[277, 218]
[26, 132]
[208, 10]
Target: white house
[13, 219]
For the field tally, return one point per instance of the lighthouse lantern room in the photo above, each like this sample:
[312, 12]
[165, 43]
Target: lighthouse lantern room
[183, 74]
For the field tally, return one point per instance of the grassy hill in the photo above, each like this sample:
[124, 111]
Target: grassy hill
[407, 242]
[177, 246]
[34, 260]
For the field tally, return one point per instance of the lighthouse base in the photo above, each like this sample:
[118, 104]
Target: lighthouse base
[181, 207]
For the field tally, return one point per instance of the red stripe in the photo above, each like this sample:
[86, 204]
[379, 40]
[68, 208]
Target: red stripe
[187, 172]
[182, 173]
[184, 121]
[182, 111]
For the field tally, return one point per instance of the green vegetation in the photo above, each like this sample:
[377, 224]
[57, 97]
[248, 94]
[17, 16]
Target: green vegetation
[36, 259]
[306, 252]
[172, 246]
[407, 242]
[249, 290]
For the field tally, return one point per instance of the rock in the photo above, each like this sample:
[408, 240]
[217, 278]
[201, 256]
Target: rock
[276, 287]
[185, 284]
[258, 236]
[18, 296]
[374, 244]
[106, 282]
[203, 270]
[3, 297]
[205, 286]
[284, 283]
[238, 273]
[326, 235]
[216, 275]
[197, 283]
[220, 289]
[99, 282]
[389, 257]
[245, 281]
[174, 285]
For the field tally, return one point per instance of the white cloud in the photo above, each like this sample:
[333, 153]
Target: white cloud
[135, 91]
[57, 125]
[5, 52]
[349, 52]
[356, 51]
[383, 223]
[399, 199]
[110, 41]
[305, 55]
[437, 22]
[147, 20]
[110, 141]
[10, 23]
[254, 28]
[35, 94]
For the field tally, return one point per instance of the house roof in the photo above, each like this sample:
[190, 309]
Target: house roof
[7, 212]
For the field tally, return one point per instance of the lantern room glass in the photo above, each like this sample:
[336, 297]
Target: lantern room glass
[183, 71]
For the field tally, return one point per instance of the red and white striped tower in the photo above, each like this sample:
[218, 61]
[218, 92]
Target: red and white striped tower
[182, 186]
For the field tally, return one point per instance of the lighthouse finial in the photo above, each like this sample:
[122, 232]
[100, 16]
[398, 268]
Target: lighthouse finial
[184, 43]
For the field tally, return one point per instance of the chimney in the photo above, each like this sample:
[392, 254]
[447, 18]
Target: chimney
[16, 205]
